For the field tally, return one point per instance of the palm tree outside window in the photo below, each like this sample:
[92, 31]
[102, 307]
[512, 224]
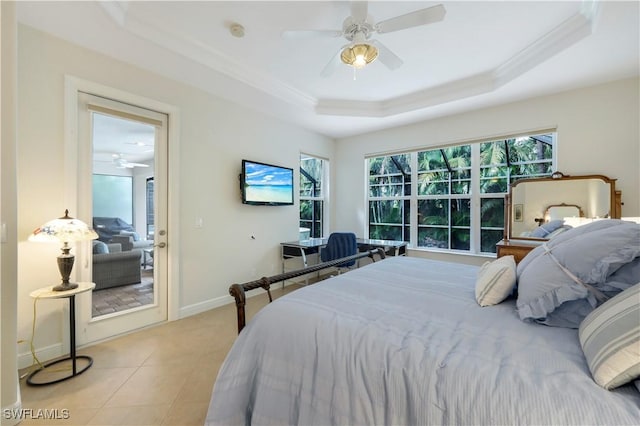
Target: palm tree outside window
[449, 182]
[312, 190]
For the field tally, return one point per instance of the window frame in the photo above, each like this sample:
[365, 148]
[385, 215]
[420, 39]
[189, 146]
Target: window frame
[322, 199]
[474, 195]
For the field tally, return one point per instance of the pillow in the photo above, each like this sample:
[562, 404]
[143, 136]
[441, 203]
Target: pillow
[135, 235]
[99, 247]
[591, 253]
[610, 339]
[495, 281]
[571, 233]
[543, 230]
[560, 230]
[569, 314]
[625, 277]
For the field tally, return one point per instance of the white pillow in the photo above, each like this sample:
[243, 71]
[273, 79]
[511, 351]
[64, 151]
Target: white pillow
[495, 281]
[610, 339]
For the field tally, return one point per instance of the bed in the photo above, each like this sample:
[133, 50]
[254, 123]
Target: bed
[405, 341]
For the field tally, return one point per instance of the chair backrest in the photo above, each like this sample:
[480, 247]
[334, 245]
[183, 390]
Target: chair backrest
[340, 244]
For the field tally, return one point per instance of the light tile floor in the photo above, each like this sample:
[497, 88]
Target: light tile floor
[162, 375]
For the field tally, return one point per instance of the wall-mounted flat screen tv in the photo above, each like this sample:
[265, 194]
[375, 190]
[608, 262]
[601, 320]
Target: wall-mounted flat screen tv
[266, 184]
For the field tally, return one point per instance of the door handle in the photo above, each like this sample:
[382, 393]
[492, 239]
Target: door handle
[160, 245]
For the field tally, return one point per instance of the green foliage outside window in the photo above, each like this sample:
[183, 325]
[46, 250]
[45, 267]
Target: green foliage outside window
[444, 190]
[311, 194]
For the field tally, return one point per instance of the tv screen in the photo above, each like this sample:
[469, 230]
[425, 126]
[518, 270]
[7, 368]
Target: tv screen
[266, 184]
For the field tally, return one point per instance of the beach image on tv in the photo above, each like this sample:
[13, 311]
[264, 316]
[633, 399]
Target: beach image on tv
[268, 184]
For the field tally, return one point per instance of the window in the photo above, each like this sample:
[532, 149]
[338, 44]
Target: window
[389, 197]
[444, 198]
[113, 197]
[457, 201]
[312, 193]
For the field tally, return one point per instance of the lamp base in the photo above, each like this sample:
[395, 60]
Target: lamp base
[65, 287]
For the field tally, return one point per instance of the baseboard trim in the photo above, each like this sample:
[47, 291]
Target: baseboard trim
[206, 305]
[44, 354]
[12, 414]
[198, 308]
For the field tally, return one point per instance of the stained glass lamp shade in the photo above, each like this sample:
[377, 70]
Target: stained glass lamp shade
[66, 230]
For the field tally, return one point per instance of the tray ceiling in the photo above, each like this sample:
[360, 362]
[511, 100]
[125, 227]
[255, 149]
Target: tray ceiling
[480, 54]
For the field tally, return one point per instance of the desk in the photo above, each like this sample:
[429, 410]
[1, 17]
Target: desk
[303, 248]
[48, 293]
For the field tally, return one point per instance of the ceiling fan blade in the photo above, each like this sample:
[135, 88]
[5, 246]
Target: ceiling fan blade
[331, 67]
[136, 165]
[413, 19]
[306, 34]
[359, 10]
[387, 57]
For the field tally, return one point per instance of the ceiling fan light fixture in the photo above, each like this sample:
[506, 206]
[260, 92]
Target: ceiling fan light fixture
[359, 55]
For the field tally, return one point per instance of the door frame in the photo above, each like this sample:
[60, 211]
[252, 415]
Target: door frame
[73, 87]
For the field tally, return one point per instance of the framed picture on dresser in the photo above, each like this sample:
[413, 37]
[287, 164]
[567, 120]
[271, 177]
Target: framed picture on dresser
[517, 213]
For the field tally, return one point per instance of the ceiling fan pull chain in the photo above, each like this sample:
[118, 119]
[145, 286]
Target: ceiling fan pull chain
[354, 73]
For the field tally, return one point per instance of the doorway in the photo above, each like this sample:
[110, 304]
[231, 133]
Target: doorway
[122, 189]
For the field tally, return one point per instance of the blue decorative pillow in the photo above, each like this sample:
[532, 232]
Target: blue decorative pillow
[543, 230]
[570, 314]
[591, 253]
[626, 276]
[99, 247]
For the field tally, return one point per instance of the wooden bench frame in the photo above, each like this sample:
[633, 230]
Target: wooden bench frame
[238, 290]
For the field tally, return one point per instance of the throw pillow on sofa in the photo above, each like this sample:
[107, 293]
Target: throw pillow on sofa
[99, 247]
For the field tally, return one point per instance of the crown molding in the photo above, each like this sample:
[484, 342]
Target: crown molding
[569, 32]
[203, 54]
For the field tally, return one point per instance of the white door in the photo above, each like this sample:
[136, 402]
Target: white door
[122, 191]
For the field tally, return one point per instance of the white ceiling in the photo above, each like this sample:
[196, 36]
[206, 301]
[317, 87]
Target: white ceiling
[481, 54]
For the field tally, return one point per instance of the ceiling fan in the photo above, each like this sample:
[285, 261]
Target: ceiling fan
[358, 29]
[122, 163]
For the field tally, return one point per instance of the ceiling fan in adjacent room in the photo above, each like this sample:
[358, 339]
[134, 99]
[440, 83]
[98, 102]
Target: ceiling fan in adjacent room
[122, 163]
[358, 29]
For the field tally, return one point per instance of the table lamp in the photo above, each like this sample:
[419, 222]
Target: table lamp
[66, 230]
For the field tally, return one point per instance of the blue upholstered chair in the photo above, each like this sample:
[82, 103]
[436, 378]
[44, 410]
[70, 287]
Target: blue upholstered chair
[340, 244]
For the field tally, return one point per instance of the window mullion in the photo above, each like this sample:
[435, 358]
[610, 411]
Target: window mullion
[413, 202]
[475, 198]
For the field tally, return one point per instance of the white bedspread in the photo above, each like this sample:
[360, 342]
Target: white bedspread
[403, 341]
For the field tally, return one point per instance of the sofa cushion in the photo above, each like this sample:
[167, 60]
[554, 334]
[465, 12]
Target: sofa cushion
[107, 227]
[135, 235]
[99, 247]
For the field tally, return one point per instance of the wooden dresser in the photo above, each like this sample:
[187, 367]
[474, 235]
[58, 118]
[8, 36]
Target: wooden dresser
[517, 248]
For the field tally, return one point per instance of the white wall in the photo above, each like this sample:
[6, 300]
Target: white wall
[9, 389]
[598, 133]
[215, 135]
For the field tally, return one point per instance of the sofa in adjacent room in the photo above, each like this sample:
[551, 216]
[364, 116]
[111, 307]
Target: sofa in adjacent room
[113, 267]
[116, 230]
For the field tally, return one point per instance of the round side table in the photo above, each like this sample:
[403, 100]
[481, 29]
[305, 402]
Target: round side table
[48, 293]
